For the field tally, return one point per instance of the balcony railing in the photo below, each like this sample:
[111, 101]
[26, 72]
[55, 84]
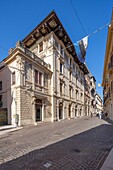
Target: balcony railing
[32, 55]
[41, 89]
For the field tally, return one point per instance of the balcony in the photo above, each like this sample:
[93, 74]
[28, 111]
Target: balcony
[41, 89]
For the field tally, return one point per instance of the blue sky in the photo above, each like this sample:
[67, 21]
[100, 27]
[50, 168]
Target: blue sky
[18, 18]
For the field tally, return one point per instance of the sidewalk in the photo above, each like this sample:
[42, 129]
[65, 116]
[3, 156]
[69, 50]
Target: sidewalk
[108, 164]
[8, 128]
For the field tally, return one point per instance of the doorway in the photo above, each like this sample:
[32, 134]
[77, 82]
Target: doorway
[60, 111]
[69, 111]
[76, 111]
[38, 110]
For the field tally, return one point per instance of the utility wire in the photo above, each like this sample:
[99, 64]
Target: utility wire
[78, 17]
[75, 43]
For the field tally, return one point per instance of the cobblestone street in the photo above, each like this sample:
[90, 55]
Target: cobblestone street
[76, 144]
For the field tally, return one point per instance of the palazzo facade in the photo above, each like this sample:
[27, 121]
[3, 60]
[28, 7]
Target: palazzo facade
[45, 79]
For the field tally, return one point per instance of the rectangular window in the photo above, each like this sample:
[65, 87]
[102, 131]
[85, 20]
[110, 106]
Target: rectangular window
[70, 76]
[38, 77]
[70, 61]
[111, 87]
[1, 103]
[13, 78]
[45, 80]
[66, 57]
[40, 47]
[60, 87]
[61, 50]
[77, 94]
[0, 98]
[81, 96]
[56, 44]
[69, 91]
[61, 69]
[0, 85]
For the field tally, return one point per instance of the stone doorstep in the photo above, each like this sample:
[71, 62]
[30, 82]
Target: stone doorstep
[108, 164]
[6, 127]
[6, 131]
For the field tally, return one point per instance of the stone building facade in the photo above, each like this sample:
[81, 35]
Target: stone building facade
[89, 95]
[108, 73]
[45, 78]
[27, 92]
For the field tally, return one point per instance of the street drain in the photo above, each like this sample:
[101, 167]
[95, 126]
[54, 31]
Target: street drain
[76, 150]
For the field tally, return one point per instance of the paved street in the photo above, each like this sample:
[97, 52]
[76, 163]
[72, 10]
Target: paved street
[76, 144]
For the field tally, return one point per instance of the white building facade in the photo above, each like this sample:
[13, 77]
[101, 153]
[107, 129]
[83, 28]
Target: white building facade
[45, 78]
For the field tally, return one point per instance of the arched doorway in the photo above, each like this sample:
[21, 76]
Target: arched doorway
[60, 110]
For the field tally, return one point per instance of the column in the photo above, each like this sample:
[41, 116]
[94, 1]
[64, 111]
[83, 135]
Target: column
[33, 110]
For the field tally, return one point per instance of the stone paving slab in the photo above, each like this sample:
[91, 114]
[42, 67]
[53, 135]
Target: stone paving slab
[78, 144]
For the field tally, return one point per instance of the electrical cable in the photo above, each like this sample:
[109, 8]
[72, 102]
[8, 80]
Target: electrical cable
[78, 17]
[75, 43]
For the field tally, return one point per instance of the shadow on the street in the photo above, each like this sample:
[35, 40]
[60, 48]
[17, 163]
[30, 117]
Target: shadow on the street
[107, 120]
[84, 151]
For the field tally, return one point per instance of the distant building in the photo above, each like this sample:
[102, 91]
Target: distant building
[42, 79]
[108, 73]
[99, 104]
[89, 95]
